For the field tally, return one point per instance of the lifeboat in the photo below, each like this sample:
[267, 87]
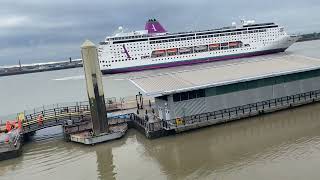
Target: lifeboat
[185, 49]
[214, 45]
[173, 50]
[232, 44]
[200, 48]
[159, 52]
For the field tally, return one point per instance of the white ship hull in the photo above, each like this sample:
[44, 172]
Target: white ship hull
[151, 53]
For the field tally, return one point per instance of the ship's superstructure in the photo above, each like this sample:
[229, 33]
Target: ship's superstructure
[154, 47]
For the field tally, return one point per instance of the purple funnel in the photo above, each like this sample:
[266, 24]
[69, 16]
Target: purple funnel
[153, 26]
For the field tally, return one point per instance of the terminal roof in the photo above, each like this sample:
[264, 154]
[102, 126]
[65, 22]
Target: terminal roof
[231, 72]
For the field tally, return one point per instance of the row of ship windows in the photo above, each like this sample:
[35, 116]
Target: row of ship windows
[203, 40]
[127, 59]
[271, 33]
[251, 37]
[130, 50]
[122, 56]
[207, 36]
[264, 41]
[127, 37]
[235, 31]
[193, 55]
[256, 40]
[208, 41]
[143, 36]
[185, 56]
[201, 37]
[145, 55]
[118, 56]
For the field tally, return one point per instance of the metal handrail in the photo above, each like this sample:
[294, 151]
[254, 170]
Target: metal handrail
[56, 115]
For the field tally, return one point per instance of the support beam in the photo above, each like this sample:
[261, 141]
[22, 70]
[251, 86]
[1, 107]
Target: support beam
[94, 87]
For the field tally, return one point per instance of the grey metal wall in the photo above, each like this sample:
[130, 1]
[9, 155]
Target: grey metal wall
[160, 105]
[218, 102]
[189, 107]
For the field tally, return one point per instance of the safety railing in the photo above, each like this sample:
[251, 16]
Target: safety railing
[112, 104]
[139, 121]
[56, 116]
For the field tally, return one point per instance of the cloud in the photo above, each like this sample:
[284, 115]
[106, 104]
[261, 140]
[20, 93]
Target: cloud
[13, 21]
[42, 29]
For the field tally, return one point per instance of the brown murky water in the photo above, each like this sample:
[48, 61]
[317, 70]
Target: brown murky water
[283, 145]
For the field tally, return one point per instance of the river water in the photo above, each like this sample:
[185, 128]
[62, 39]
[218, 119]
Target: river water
[283, 145]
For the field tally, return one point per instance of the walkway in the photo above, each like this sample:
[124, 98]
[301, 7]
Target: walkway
[55, 117]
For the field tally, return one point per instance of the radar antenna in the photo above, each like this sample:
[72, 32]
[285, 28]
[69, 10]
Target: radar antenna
[119, 31]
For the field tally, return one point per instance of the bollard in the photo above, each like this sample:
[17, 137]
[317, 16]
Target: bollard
[94, 87]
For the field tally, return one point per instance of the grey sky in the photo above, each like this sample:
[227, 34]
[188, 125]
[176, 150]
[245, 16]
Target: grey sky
[43, 30]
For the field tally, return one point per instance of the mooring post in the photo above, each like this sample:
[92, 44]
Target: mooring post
[94, 87]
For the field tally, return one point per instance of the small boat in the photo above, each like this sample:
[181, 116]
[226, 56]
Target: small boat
[200, 48]
[173, 50]
[185, 49]
[214, 45]
[159, 52]
[233, 44]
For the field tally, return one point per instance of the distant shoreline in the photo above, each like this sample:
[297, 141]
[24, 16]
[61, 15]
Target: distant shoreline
[16, 70]
[309, 37]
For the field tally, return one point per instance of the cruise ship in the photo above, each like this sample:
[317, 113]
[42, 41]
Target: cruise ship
[155, 48]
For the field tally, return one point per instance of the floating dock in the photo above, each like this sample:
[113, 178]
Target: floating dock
[10, 145]
[192, 99]
[233, 90]
[115, 132]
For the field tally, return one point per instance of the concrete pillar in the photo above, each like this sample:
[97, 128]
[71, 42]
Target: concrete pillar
[94, 87]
